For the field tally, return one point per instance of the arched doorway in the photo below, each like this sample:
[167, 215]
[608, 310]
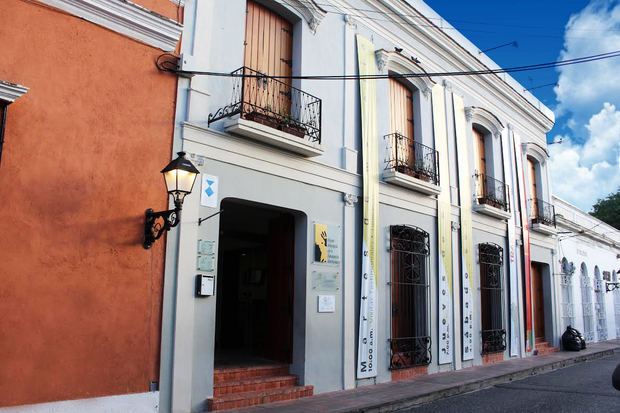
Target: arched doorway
[566, 283]
[601, 320]
[617, 304]
[586, 304]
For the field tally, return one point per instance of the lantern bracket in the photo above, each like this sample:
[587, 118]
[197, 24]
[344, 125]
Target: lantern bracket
[154, 228]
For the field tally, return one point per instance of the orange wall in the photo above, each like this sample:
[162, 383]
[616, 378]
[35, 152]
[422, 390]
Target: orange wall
[80, 299]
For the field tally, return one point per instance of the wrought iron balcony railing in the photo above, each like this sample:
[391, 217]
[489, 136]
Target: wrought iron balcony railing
[274, 103]
[493, 341]
[542, 212]
[411, 158]
[491, 191]
[409, 352]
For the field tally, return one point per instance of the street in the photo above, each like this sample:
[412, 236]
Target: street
[585, 387]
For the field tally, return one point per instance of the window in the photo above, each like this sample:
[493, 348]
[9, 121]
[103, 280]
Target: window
[491, 193]
[616, 303]
[541, 212]
[3, 110]
[491, 307]
[410, 340]
[599, 306]
[262, 93]
[586, 304]
[9, 92]
[407, 154]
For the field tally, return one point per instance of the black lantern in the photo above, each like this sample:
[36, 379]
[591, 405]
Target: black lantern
[179, 176]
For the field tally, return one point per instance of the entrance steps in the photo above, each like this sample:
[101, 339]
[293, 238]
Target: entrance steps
[235, 387]
[543, 347]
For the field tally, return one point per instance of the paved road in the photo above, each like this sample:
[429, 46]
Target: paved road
[585, 387]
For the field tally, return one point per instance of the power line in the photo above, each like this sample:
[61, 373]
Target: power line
[167, 65]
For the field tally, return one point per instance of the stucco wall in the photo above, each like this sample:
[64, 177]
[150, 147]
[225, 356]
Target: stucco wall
[80, 297]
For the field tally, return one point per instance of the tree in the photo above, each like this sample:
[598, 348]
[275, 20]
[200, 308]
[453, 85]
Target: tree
[608, 209]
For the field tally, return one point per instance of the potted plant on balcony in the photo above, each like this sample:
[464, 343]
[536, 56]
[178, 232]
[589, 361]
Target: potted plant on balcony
[263, 118]
[288, 125]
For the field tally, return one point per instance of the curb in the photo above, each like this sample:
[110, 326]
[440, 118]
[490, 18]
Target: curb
[474, 385]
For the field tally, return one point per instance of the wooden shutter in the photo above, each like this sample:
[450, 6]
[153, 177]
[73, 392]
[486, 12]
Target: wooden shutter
[480, 162]
[401, 121]
[533, 192]
[268, 50]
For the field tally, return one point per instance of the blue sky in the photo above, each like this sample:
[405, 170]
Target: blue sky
[586, 100]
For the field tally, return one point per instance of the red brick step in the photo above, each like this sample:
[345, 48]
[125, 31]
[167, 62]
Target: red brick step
[245, 399]
[239, 373]
[253, 384]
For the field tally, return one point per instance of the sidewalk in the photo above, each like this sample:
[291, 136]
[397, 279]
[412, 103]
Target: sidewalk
[386, 397]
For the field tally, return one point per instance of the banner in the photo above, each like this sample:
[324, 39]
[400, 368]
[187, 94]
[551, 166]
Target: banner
[511, 252]
[367, 346]
[444, 226]
[467, 246]
[529, 333]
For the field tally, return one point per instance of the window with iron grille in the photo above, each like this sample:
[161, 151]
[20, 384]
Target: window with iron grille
[493, 332]
[3, 106]
[410, 340]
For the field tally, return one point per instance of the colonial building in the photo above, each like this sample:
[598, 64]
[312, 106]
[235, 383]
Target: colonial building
[86, 126]
[354, 230]
[587, 274]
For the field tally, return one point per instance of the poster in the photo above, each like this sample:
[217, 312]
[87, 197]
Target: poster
[444, 224]
[467, 243]
[367, 345]
[326, 244]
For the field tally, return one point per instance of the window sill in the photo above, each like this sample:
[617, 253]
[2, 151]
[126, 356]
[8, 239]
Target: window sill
[543, 229]
[491, 211]
[274, 137]
[406, 181]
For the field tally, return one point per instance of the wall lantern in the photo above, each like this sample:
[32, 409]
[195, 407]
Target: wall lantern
[179, 176]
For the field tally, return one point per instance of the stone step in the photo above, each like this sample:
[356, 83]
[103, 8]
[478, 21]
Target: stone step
[541, 344]
[247, 372]
[251, 398]
[547, 350]
[222, 388]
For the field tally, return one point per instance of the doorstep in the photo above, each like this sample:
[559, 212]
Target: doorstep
[392, 396]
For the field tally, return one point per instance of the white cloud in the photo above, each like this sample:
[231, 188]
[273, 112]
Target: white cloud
[588, 96]
[582, 175]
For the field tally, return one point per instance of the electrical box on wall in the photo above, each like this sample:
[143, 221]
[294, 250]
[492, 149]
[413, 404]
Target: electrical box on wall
[205, 285]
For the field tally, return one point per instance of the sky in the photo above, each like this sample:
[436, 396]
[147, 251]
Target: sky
[585, 166]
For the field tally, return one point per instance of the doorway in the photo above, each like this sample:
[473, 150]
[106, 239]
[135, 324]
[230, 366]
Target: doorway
[255, 285]
[538, 302]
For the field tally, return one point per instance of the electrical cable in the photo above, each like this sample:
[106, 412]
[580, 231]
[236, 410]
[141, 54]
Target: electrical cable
[167, 65]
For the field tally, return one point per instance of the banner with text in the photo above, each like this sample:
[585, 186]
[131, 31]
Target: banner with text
[367, 346]
[467, 246]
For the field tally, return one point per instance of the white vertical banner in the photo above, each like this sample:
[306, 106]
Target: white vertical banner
[511, 253]
[367, 346]
[467, 242]
[444, 227]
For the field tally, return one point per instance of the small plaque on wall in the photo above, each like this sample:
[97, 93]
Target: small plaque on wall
[327, 303]
[206, 263]
[325, 281]
[206, 247]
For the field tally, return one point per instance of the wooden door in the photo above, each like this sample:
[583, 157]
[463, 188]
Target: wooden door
[268, 50]
[480, 162]
[533, 190]
[280, 283]
[401, 122]
[538, 302]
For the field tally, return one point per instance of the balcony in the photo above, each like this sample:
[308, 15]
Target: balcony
[273, 112]
[411, 165]
[492, 196]
[542, 216]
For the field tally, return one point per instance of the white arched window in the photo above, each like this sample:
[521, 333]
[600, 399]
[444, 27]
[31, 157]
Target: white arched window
[617, 304]
[586, 304]
[566, 283]
[599, 306]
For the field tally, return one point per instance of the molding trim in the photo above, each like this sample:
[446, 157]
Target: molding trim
[11, 91]
[485, 119]
[535, 151]
[308, 9]
[394, 61]
[125, 17]
[349, 199]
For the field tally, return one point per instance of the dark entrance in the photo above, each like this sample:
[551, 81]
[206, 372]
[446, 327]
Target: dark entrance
[254, 284]
[538, 302]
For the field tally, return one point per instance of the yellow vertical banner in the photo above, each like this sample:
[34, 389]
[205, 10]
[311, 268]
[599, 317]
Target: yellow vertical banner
[367, 346]
[467, 242]
[444, 226]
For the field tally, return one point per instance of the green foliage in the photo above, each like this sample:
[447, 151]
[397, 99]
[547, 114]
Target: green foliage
[608, 209]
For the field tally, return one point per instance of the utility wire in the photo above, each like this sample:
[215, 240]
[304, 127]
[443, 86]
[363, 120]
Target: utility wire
[167, 65]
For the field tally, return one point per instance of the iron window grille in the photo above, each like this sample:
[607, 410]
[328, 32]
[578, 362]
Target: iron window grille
[274, 103]
[542, 212]
[3, 110]
[493, 332]
[492, 192]
[411, 158]
[410, 342]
